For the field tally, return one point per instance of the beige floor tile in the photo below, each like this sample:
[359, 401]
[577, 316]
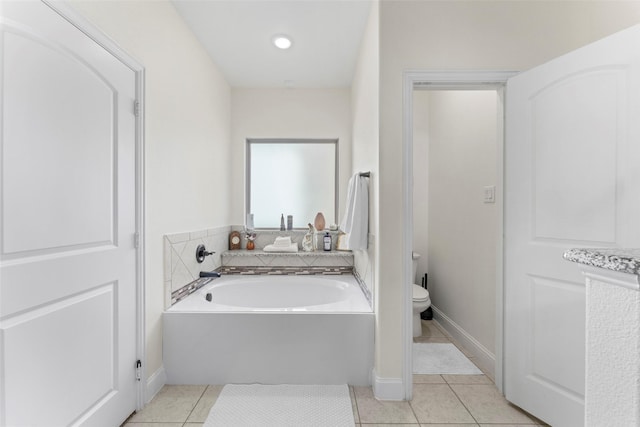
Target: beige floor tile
[428, 379]
[192, 425]
[488, 406]
[467, 379]
[507, 425]
[462, 349]
[203, 407]
[392, 425]
[442, 329]
[431, 329]
[436, 403]
[372, 410]
[449, 425]
[484, 371]
[354, 406]
[537, 421]
[173, 403]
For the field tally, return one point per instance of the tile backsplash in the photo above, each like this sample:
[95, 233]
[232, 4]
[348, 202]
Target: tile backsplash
[180, 265]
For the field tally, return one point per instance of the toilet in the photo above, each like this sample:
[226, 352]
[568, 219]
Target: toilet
[421, 300]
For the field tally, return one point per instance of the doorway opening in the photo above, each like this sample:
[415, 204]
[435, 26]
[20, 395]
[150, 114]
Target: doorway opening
[453, 146]
[455, 214]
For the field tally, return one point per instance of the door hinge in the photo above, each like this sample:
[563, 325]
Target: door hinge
[136, 108]
[136, 240]
[138, 370]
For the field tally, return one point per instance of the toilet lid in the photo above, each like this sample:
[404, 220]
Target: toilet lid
[420, 293]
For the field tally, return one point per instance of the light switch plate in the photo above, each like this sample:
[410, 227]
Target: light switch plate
[490, 194]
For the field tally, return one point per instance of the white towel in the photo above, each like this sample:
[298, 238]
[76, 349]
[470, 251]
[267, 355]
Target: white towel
[355, 223]
[293, 247]
[282, 242]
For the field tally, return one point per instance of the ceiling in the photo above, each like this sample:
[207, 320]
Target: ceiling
[237, 35]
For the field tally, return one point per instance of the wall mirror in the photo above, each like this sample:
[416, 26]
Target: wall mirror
[297, 177]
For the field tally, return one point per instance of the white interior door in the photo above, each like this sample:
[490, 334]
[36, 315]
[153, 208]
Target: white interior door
[68, 211]
[572, 179]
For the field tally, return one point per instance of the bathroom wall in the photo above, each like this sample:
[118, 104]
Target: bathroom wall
[461, 35]
[287, 113]
[187, 106]
[463, 230]
[365, 114]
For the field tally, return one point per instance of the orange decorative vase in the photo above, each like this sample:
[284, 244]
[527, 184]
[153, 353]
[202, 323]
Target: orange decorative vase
[319, 222]
[250, 245]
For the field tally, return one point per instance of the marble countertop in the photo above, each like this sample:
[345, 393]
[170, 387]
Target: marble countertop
[615, 259]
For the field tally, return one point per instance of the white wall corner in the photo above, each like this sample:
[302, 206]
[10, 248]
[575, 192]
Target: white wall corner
[388, 388]
[155, 383]
[485, 359]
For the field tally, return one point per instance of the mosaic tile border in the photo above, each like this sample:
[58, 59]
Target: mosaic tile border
[363, 287]
[188, 289]
[284, 271]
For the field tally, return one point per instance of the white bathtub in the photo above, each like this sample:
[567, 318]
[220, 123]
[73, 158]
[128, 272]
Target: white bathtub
[271, 330]
[278, 293]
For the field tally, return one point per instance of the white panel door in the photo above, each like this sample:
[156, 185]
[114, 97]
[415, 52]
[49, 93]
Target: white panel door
[68, 260]
[572, 179]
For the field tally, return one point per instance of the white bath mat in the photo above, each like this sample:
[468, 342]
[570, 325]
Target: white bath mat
[441, 358]
[282, 406]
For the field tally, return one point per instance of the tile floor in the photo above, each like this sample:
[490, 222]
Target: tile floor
[438, 400]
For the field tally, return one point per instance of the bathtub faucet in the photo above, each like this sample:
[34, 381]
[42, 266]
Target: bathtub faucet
[201, 253]
[209, 274]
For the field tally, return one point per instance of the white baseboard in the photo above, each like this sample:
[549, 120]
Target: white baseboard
[388, 388]
[155, 383]
[485, 359]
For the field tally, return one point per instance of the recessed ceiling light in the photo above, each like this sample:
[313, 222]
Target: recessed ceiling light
[281, 41]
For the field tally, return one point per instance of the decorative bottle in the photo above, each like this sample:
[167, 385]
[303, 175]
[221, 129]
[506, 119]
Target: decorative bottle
[327, 241]
[319, 222]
